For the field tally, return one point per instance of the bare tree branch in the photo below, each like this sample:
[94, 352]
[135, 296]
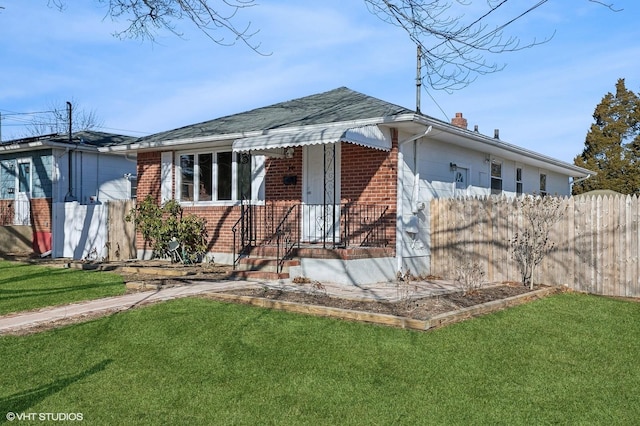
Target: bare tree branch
[608, 6]
[146, 17]
[454, 51]
[56, 120]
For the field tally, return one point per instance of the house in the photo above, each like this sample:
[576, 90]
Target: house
[334, 186]
[40, 175]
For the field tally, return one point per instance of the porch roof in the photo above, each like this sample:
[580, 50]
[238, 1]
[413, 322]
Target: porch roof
[370, 136]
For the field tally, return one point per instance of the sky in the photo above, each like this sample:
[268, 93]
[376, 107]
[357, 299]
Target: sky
[543, 99]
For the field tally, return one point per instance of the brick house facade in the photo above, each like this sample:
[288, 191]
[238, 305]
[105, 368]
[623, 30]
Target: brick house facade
[344, 177]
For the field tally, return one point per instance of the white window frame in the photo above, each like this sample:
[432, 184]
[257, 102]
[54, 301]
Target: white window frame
[27, 161]
[519, 182]
[543, 191]
[492, 177]
[214, 167]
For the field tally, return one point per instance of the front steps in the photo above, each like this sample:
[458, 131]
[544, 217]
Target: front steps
[261, 262]
[263, 268]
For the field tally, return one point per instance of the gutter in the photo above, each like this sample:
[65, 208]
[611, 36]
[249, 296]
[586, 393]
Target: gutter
[500, 145]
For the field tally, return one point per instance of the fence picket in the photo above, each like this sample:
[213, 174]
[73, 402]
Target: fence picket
[597, 241]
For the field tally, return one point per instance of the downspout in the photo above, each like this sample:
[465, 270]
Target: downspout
[574, 181]
[414, 191]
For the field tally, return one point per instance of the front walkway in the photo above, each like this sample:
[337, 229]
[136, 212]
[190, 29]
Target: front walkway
[376, 292]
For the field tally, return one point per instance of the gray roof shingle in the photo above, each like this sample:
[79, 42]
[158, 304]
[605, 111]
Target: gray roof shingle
[342, 104]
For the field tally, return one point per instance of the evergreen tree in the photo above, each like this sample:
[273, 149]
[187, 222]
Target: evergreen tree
[612, 145]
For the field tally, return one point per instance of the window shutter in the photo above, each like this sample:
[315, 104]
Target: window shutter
[166, 185]
[257, 177]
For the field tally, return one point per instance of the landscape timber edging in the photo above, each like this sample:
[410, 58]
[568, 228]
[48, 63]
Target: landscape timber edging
[386, 319]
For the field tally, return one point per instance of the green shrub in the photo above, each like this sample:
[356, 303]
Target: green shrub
[160, 225]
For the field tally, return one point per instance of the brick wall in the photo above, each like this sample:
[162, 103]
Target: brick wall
[220, 221]
[276, 171]
[369, 176]
[40, 216]
[41, 224]
[149, 174]
[6, 212]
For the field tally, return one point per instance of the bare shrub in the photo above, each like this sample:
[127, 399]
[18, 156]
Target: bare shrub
[406, 289]
[469, 277]
[318, 287]
[530, 246]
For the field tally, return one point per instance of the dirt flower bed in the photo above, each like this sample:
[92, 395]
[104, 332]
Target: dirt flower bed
[420, 308]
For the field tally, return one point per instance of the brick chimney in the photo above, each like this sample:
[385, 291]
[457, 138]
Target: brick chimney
[459, 121]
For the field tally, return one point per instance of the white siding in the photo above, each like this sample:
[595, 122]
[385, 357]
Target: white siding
[436, 164]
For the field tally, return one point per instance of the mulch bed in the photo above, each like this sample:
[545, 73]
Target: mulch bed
[421, 308]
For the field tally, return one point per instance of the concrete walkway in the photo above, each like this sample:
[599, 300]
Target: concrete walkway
[375, 292]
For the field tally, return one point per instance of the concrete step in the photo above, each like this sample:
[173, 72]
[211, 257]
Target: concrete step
[264, 264]
[259, 275]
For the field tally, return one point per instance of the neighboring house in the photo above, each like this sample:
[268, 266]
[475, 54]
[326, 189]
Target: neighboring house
[39, 173]
[338, 181]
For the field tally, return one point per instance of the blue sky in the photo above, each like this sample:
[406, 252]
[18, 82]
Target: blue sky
[543, 100]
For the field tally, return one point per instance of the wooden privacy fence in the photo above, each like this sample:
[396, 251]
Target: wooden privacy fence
[596, 242]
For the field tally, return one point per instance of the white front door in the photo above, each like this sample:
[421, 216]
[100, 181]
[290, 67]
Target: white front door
[22, 210]
[321, 197]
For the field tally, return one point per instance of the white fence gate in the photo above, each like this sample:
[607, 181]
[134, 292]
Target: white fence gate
[81, 232]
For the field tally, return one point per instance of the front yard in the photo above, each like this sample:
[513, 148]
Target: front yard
[24, 287]
[565, 359]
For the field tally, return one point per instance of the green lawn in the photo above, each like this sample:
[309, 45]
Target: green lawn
[24, 286]
[567, 359]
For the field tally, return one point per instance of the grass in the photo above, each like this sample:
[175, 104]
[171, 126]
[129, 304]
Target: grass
[567, 359]
[24, 286]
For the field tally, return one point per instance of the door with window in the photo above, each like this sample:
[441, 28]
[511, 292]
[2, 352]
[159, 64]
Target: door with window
[22, 210]
[321, 206]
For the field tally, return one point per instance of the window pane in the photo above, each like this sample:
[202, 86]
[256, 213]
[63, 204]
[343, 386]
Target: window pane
[186, 174]
[24, 177]
[496, 186]
[134, 187]
[205, 167]
[224, 160]
[543, 183]
[244, 176]
[519, 174]
[496, 170]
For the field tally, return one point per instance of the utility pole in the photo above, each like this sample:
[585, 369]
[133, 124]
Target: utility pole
[69, 196]
[418, 78]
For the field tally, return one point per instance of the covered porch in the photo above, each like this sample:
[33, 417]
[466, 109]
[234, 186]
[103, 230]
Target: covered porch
[326, 214]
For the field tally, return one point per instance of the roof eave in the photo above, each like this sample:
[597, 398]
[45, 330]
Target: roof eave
[467, 138]
[32, 146]
[219, 138]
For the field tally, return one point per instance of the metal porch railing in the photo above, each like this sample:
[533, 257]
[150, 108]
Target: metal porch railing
[287, 226]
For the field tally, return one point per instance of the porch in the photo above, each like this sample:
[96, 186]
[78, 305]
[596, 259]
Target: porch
[273, 237]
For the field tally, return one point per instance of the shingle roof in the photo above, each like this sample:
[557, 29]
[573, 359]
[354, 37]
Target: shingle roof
[94, 138]
[85, 137]
[342, 104]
